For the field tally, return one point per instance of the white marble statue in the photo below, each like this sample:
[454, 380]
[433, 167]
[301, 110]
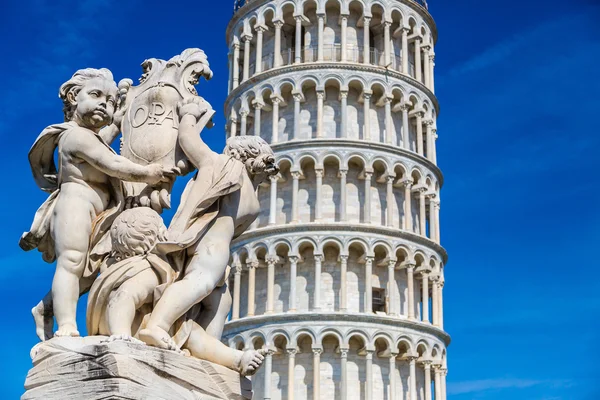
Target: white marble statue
[148, 285]
[86, 189]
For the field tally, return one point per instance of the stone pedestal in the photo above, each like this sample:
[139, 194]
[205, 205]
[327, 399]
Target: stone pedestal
[87, 368]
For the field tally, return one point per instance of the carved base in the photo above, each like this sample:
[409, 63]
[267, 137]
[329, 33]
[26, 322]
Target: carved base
[85, 368]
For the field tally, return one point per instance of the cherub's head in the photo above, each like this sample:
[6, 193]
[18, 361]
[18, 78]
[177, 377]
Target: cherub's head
[90, 98]
[255, 153]
[136, 231]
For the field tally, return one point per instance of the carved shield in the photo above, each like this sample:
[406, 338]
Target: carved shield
[150, 124]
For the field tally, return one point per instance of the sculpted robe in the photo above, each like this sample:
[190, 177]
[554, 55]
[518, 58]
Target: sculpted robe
[48, 178]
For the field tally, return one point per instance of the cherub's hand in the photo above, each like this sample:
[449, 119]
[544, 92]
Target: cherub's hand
[157, 174]
[195, 106]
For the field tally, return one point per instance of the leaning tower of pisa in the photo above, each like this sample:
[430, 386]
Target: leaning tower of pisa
[341, 276]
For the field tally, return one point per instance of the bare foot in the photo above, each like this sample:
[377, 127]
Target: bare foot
[122, 338]
[158, 338]
[67, 330]
[44, 322]
[251, 361]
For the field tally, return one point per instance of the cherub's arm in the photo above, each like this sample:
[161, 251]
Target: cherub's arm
[84, 145]
[199, 154]
[109, 133]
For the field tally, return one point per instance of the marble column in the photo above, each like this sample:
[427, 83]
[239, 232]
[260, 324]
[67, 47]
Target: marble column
[412, 378]
[320, 34]
[246, 70]
[425, 296]
[437, 221]
[430, 140]
[344, 106]
[317, 373]
[386, 45]
[258, 106]
[271, 262]
[236, 65]
[237, 281]
[344, 373]
[298, 47]
[435, 302]
[367, 210]
[233, 126]
[434, 138]
[392, 376]
[432, 221]
[259, 48]
[367, 114]
[444, 373]
[343, 195]
[344, 37]
[405, 126]
[368, 285]
[422, 212]
[268, 366]
[343, 283]
[317, 293]
[405, 51]
[427, 369]
[419, 123]
[298, 97]
[441, 304]
[291, 372]
[392, 287]
[366, 40]
[295, 187]
[431, 71]
[369, 373]
[319, 172]
[293, 272]
[390, 201]
[438, 384]
[320, 105]
[388, 120]
[410, 279]
[252, 265]
[275, 115]
[418, 75]
[273, 206]
[277, 46]
[407, 205]
[243, 122]
[426, 67]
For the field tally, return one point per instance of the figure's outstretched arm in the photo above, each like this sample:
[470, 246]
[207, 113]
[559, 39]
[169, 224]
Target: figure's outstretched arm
[195, 115]
[85, 146]
[109, 133]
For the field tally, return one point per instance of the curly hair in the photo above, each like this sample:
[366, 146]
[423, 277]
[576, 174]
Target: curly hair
[75, 84]
[254, 152]
[136, 231]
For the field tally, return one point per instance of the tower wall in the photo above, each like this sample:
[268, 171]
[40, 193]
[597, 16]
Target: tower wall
[341, 276]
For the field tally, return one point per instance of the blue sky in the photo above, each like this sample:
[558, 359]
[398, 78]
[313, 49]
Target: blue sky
[518, 86]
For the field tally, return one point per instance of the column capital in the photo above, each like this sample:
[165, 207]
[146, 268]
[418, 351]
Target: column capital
[260, 28]
[298, 96]
[238, 268]
[274, 178]
[390, 179]
[236, 45]
[406, 182]
[343, 94]
[291, 351]
[270, 351]
[258, 104]
[343, 258]
[424, 271]
[296, 174]
[426, 363]
[319, 172]
[429, 122]
[369, 259]
[278, 24]
[392, 263]
[320, 94]
[317, 351]
[272, 260]
[344, 352]
[294, 259]
[319, 257]
[366, 21]
[387, 24]
[408, 265]
[252, 264]
[247, 37]
[244, 113]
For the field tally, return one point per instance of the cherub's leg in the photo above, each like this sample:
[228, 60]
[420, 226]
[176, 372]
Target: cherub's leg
[203, 273]
[124, 303]
[71, 231]
[215, 309]
[43, 312]
[205, 347]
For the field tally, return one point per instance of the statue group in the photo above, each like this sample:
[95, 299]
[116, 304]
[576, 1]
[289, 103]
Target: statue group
[148, 284]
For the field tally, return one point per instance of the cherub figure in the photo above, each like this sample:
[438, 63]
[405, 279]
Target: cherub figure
[217, 206]
[134, 277]
[86, 188]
